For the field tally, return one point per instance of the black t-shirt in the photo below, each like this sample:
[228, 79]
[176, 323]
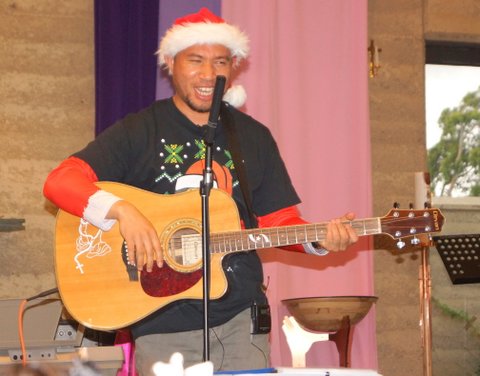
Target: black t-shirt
[160, 150]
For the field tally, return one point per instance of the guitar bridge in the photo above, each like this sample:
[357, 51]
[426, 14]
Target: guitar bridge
[130, 267]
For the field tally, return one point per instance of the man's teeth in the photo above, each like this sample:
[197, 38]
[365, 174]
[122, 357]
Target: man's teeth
[205, 90]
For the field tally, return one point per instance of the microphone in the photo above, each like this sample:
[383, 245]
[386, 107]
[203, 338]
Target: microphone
[215, 108]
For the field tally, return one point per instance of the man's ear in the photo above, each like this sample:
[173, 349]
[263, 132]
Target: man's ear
[169, 61]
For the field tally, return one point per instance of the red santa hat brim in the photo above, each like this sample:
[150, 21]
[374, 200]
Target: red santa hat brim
[203, 27]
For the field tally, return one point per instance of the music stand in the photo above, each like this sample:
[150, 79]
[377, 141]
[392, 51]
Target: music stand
[461, 256]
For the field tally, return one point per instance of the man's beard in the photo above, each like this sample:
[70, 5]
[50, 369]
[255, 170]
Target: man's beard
[196, 108]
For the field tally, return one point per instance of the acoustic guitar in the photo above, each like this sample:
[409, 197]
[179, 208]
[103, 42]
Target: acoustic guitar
[102, 290]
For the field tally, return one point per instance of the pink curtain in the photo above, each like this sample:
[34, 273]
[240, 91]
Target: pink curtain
[307, 80]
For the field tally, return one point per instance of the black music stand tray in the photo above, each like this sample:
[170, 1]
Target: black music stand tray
[461, 256]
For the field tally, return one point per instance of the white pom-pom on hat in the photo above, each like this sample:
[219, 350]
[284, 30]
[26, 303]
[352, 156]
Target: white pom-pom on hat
[236, 96]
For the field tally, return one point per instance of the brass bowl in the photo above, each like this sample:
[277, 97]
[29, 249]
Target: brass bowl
[325, 314]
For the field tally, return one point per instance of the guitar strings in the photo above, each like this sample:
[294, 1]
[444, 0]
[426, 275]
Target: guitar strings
[256, 238]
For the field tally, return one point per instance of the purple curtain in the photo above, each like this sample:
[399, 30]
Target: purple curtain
[126, 38]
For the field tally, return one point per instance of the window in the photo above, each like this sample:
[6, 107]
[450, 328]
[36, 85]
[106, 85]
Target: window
[452, 71]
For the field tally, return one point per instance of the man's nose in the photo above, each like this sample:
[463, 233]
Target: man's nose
[208, 71]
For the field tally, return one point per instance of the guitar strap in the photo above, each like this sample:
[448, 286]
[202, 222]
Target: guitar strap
[232, 139]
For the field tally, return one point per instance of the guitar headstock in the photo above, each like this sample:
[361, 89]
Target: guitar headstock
[400, 223]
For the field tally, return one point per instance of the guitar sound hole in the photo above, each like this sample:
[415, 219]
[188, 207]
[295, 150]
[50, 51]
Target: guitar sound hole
[185, 247]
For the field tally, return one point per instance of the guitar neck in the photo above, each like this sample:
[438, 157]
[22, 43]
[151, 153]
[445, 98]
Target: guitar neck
[272, 237]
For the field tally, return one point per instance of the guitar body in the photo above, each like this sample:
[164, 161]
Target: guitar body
[91, 265]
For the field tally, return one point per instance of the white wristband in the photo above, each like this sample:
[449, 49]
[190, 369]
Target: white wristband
[97, 208]
[312, 250]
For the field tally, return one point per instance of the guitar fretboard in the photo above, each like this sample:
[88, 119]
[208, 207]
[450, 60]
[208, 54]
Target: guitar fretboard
[272, 237]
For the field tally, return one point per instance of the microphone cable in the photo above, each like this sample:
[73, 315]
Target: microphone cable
[21, 310]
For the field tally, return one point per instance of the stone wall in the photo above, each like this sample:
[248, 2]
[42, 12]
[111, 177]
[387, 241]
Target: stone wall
[397, 118]
[397, 112]
[46, 113]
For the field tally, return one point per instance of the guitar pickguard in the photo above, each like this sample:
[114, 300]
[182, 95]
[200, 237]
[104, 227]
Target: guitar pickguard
[166, 281]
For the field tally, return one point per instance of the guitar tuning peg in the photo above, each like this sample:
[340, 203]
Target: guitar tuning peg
[415, 241]
[400, 244]
[396, 205]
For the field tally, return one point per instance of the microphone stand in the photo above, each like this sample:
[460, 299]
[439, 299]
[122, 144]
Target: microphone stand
[205, 188]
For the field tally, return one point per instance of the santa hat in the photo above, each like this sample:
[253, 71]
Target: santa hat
[205, 27]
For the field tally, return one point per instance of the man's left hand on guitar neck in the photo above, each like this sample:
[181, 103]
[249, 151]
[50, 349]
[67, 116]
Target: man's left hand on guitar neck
[340, 235]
